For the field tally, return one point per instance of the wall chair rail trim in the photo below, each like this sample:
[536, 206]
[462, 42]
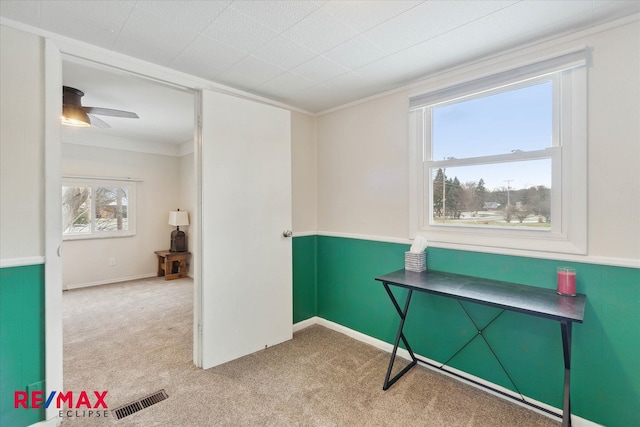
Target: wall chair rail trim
[585, 259]
[21, 262]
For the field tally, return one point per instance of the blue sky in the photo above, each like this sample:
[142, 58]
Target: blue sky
[519, 119]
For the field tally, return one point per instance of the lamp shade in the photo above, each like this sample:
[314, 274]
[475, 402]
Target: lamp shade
[75, 117]
[178, 218]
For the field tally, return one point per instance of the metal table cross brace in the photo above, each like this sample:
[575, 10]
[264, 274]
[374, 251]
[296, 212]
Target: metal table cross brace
[530, 300]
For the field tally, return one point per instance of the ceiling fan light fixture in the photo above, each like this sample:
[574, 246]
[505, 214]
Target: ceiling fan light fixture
[74, 114]
[75, 117]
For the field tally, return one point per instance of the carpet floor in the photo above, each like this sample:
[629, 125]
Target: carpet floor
[135, 338]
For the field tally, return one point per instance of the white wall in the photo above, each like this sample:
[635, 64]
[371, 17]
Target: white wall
[362, 169]
[362, 176]
[614, 143]
[187, 199]
[363, 160]
[186, 183]
[304, 173]
[87, 261]
[21, 146]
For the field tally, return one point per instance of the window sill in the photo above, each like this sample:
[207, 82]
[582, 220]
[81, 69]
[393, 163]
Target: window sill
[96, 237]
[501, 240]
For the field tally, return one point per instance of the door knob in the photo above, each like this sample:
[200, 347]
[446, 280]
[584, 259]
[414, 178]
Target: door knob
[287, 233]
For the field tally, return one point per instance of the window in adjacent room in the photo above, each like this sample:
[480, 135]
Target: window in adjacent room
[96, 209]
[501, 161]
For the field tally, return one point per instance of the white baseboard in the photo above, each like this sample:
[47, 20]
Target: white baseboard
[108, 281]
[305, 324]
[575, 420]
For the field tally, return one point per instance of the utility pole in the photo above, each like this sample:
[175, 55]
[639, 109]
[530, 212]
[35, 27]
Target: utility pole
[508, 181]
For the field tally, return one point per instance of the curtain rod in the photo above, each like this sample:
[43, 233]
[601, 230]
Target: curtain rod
[101, 178]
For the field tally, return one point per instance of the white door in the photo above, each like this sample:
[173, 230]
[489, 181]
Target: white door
[246, 206]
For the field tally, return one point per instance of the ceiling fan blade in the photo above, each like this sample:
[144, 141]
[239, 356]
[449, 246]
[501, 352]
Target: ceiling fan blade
[99, 123]
[110, 112]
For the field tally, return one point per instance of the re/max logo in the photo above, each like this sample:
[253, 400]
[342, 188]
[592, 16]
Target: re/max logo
[21, 399]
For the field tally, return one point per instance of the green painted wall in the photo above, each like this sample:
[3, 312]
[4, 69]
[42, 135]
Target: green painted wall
[21, 340]
[304, 278]
[333, 279]
[606, 347]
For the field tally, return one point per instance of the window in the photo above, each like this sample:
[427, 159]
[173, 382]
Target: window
[492, 157]
[501, 161]
[97, 209]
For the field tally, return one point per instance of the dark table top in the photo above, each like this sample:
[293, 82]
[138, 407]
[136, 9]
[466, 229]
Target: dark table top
[169, 253]
[509, 296]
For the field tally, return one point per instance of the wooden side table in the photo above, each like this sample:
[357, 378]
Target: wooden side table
[172, 265]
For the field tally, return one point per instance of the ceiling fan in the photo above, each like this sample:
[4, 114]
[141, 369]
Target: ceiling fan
[74, 114]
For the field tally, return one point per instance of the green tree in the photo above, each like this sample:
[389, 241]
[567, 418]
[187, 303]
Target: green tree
[437, 193]
[454, 196]
[480, 193]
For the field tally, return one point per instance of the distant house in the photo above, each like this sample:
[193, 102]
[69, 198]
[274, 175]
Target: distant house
[491, 205]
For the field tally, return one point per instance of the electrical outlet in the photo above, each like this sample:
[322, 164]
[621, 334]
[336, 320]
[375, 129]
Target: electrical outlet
[112, 261]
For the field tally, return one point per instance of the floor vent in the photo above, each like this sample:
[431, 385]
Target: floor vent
[139, 405]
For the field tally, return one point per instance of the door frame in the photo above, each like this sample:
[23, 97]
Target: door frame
[56, 47]
[54, 52]
[53, 222]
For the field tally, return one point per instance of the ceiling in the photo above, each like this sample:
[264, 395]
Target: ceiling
[166, 114]
[312, 55]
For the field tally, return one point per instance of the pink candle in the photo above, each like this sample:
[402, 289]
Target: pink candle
[566, 281]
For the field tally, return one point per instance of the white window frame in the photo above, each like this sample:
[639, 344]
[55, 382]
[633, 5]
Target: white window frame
[568, 154]
[94, 183]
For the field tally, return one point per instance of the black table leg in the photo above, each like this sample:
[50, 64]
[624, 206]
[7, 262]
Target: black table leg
[566, 347]
[399, 336]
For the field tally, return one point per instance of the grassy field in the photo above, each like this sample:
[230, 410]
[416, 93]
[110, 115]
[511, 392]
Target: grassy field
[493, 220]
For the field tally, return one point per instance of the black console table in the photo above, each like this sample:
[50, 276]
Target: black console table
[530, 300]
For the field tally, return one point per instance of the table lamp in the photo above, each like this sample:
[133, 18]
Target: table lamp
[178, 238]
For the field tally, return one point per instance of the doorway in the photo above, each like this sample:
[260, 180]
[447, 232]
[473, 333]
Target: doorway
[155, 154]
[150, 159]
[244, 143]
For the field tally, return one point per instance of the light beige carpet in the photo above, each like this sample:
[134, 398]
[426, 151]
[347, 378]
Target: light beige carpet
[135, 338]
